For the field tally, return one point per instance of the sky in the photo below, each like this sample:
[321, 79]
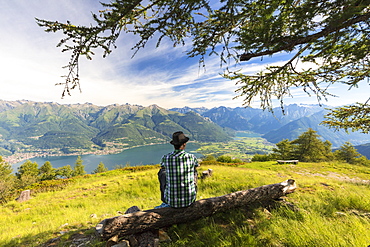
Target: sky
[31, 65]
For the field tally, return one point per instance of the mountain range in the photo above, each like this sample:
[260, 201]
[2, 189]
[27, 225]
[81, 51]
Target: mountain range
[27, 126]
[287, 124]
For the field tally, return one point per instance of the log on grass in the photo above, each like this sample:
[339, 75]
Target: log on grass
[157, 218]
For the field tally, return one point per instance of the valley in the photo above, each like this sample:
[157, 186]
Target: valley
[37, 129]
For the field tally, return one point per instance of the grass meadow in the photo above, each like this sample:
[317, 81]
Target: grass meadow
[332, 207]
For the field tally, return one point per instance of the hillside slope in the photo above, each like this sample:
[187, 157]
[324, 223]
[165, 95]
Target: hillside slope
[68, 214]
[289, 124]
[293, 129]
[50, 127]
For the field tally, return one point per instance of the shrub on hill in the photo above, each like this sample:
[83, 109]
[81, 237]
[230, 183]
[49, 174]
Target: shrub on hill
[50, 185]
[262, 157]
[228, 159]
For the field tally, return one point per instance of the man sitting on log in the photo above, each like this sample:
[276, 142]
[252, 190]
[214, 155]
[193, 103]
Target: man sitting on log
[178, 175]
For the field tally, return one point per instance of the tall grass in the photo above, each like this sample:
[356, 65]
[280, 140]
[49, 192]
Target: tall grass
[81, 204]
[332, 201]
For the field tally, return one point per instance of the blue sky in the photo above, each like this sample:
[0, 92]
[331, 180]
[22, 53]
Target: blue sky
[31, 65]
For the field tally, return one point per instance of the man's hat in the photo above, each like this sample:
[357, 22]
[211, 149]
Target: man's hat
[178, 138]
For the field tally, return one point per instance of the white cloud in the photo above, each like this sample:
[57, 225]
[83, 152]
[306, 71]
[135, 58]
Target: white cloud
[31, 65]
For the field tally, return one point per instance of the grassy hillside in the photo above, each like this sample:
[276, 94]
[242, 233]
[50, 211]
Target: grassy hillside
[333, 201]
[242, 148]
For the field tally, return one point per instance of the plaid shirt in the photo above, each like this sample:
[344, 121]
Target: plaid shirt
[180, 186]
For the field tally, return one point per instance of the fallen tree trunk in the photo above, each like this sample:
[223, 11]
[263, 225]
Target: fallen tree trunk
[157, 218]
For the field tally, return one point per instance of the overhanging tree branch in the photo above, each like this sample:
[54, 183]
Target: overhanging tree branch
[355, 117]
[293, 42]
[336, 34]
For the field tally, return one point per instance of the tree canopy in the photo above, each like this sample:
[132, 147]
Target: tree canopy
[6, 180]
[328, 42]
[47, 172]
[307, 148]
[100, 168]
[79, 168]
[348, 153]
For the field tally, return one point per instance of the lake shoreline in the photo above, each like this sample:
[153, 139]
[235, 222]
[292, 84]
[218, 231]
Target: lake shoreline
[19, 157]
[135, 156]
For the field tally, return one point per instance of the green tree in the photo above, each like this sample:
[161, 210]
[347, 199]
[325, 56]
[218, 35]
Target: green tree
[309, 148]
[64, 172]
[209, 158]
[348, 153]
[326, 41]
[47, 172]
[262, 157]
[228, 159]
[224, 159]
[362, 160]
[79, 168]
[5, 168]
[328, 150]
[283, 150]
[7, 185]
[100, 168]
[27, 173]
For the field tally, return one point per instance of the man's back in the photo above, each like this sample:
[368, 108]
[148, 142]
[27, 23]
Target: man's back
[180, 175]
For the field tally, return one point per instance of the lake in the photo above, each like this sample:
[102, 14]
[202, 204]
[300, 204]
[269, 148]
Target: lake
[145, 155]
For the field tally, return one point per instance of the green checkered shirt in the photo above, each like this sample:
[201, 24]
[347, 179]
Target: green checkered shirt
[180, 186]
